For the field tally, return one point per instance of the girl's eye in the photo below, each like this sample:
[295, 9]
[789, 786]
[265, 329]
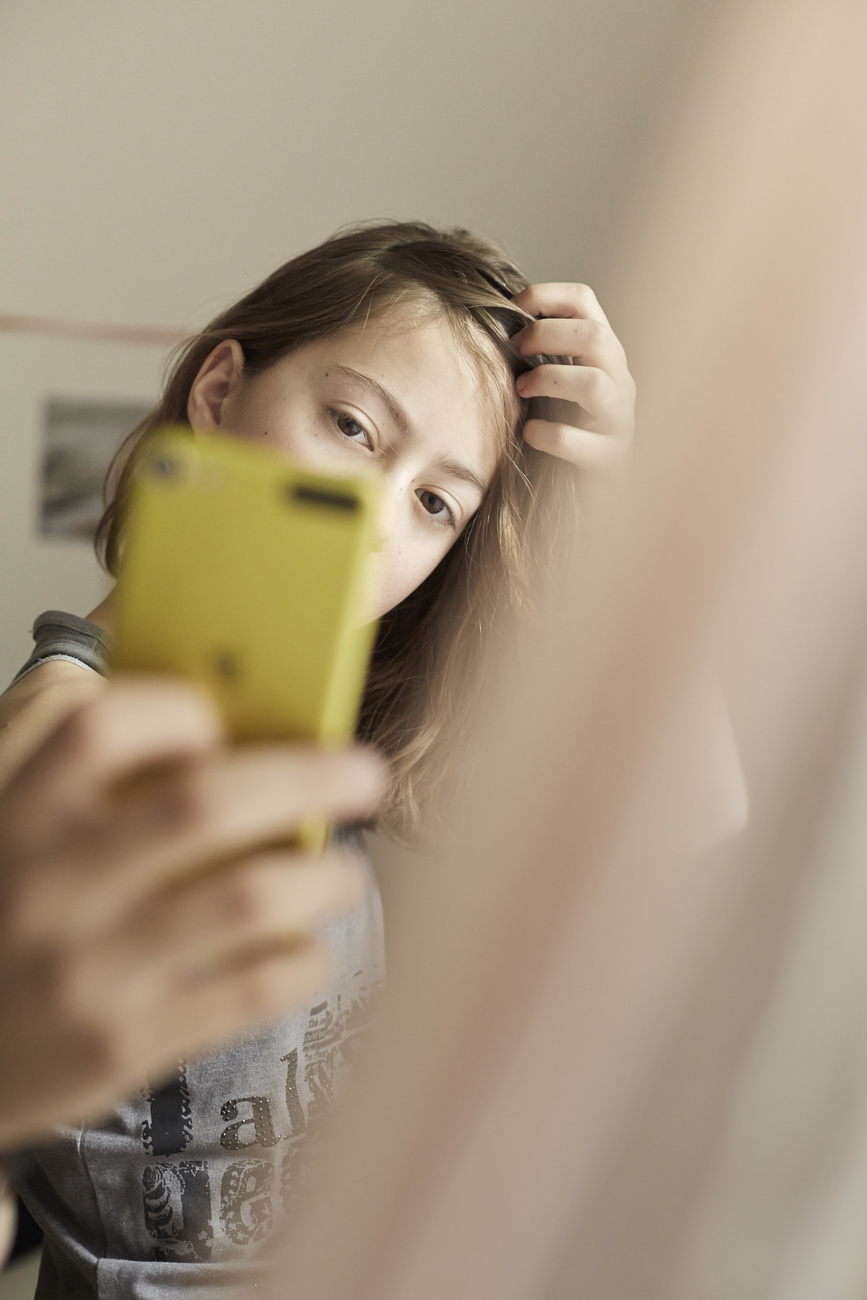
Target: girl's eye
[350, 428]
[436, 508]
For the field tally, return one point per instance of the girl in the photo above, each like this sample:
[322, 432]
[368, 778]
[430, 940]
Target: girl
[418, 351]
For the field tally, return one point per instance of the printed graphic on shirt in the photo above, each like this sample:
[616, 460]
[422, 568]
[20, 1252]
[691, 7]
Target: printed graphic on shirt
[245, 1200]
[177, 1202]
[321, 1046]
[293, 1173]
[278, 1131]
[253, 1130]
[330, 1043]
[170, 1127]
[294, 1109]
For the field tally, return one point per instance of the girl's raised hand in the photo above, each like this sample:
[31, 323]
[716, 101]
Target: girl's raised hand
[571, 323]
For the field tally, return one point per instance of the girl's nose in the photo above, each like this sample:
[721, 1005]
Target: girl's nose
[388, 508]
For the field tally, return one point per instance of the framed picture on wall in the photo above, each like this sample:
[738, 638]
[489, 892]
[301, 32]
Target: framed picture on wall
[79, 441]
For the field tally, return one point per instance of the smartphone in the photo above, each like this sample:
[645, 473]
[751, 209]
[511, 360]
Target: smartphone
[248, 572]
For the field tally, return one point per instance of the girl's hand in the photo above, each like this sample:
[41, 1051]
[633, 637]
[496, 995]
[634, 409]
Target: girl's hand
[573, 324]
[150, 918]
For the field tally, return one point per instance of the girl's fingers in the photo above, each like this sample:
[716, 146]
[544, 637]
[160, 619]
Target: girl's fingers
[185, 820]
[201, 1015]
[561, 299]
[589, 342]
[235, 1002]
[573, 325]
[272, 899]
[212, 962]
[592, 389]
[135, 722]
[580, 447]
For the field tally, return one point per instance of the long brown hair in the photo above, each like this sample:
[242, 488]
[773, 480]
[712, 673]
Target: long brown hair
[427, 652]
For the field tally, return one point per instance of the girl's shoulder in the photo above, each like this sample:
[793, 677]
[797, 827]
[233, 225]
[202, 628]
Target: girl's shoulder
[65, 670]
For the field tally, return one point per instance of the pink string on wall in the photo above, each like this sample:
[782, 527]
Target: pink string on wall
[158, 336]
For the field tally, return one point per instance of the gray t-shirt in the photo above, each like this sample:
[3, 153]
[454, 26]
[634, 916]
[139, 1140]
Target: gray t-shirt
[176, 1190]
[175, 1193]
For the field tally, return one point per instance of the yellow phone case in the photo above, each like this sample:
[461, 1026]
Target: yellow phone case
[247, 572]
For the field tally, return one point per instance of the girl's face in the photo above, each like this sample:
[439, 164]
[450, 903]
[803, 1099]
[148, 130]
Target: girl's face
[403, 397]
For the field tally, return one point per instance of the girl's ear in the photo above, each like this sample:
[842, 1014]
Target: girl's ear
[215, 385]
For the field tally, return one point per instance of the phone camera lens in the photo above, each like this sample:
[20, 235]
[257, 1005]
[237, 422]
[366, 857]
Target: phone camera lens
[227, 666]
[164, 467]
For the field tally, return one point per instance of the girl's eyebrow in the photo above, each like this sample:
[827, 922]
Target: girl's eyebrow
[455, 469]
[391, 404]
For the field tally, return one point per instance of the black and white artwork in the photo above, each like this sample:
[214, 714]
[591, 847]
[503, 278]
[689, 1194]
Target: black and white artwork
[80, 439]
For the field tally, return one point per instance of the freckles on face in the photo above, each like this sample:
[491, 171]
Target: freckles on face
[401, 399]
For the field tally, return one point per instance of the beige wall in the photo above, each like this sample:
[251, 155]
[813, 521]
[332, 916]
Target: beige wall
[158, 158]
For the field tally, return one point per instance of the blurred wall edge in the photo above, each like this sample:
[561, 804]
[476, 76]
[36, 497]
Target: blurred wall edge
[611, 1067]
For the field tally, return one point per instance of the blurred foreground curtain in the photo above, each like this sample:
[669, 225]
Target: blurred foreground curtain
[613, 1067]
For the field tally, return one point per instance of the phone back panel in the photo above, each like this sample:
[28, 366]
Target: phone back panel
[247, 572]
